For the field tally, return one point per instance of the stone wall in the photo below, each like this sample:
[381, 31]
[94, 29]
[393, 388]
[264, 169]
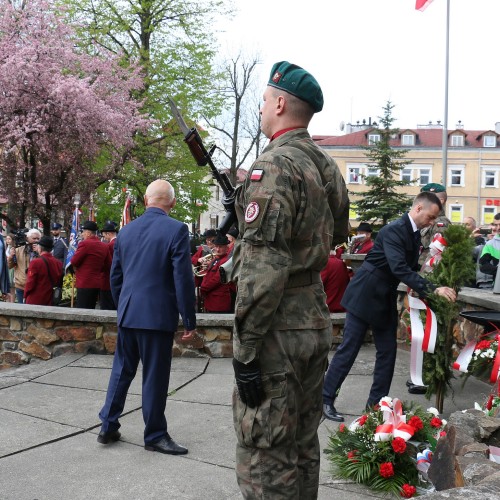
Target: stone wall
[45, 332]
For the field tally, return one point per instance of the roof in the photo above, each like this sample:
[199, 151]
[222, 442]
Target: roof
[425, 138]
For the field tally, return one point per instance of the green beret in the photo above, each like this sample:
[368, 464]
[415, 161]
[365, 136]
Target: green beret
[298, 82]
[433, 187]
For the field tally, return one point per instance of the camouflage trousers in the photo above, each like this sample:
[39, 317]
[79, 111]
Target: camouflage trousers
[278, 454]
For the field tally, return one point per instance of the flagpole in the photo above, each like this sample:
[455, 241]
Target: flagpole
[445, 122]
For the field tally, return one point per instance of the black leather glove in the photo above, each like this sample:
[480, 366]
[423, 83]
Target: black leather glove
[249, 382]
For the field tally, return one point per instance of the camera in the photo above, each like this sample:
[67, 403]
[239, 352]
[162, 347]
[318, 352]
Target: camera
[485, 230]
[20, 237]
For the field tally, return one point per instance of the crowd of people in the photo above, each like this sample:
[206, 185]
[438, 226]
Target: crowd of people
[33, 266]
[292, 209]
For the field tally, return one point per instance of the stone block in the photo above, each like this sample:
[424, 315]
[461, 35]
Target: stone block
[442, 469]
[13, 358]
[109, 340]
[9, 346]
[475, 469]
[61, 349]
[45, 323]
[5, 334]
[4, 321]
[35, 349]
[43, 336]
[474, 450]
[488, 425]
[98, 332]
[15, 324]
[212, 334]
[219, 349]
[76, 333]
[91, 347]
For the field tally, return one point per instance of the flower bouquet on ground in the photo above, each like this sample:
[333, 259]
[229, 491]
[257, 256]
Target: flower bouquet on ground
[482, 362]
[389, 448]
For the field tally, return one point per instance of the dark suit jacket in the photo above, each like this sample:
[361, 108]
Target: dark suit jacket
[372, 293]
[105, 285]
[89, 261]
[151, 275]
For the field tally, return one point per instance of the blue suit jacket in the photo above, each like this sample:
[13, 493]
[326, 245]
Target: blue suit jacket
[151, 275]
[372, 293]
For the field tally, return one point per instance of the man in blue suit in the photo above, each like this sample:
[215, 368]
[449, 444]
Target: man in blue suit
[370, 300]
[150, 290]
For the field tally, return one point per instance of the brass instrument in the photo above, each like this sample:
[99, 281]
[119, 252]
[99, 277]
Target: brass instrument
[203, 263]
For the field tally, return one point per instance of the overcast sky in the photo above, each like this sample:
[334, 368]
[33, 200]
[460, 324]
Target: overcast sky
[365, 52]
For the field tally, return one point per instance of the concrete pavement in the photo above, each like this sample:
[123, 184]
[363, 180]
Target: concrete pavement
[49, 425]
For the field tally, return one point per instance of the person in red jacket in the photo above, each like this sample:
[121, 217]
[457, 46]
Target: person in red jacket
[44, 273]
[217, 296]
[106, 301]
[335, 278]
[365, 243]
[88, 262]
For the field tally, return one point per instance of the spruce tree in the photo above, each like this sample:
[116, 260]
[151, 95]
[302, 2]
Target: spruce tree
[383, 201]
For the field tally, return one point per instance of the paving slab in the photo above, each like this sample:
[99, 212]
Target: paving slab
[205, 429]
[208, 388]
[9, 381]
[21, 432]
[63, 405]
[37, 367]
[79, 469]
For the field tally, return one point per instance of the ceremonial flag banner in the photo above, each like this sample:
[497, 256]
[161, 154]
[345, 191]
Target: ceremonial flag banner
[126, 218]
[73, 237]
[421, 5]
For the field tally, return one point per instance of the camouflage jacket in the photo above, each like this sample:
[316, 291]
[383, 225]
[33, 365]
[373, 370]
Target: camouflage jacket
[427, 235]
[291, 207]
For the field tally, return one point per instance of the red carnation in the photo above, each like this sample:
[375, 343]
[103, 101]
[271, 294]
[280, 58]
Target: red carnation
[386, 469]
[363, 419]
[416, 423]
[342, 428]
[407, 491]
[436, 422]
[484, 344]
[398, 445]
[351, 455]
[442, 434]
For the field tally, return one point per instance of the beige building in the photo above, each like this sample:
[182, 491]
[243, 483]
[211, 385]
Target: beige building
[473, 166]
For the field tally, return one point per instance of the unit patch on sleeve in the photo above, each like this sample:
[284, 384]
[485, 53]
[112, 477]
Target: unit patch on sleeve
[256, 174]
[252, 212]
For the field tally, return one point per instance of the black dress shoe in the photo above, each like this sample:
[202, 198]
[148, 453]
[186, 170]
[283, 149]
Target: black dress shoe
[330, 413]
[108, 437]
[166, 445]
[417, 389]
[409, 383]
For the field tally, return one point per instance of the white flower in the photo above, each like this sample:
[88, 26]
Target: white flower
[386, 399]
[444, 422]
[490, 353]
[433, 411]
[354, 425]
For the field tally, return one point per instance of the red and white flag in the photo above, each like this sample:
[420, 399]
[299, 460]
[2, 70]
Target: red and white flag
[126, 218]
[421, 5]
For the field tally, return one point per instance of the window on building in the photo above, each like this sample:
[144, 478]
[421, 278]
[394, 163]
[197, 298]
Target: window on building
[487, 214]
[489, 141]
[217, 193]
[373, 138]
[456, 175]
[490, 177]
[456, 213]
[457, 140]
[422, 174]
[408, 140]
[354, 175]
[214, 221]
[372, 172]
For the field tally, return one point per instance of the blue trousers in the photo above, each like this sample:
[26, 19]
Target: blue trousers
[354, 333]
[154, 349]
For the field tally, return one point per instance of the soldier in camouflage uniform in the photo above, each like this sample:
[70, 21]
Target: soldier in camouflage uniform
[292, 206]
[442, 222]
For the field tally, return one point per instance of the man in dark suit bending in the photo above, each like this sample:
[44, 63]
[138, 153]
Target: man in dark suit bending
[370, 300]
[150, 291]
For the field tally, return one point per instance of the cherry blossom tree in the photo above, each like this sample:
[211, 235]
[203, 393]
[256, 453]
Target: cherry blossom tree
[67, 118]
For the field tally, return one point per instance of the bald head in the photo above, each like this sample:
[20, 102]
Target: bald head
[160, 194]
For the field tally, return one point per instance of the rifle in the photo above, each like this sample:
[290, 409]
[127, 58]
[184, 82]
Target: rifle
[203, 157]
